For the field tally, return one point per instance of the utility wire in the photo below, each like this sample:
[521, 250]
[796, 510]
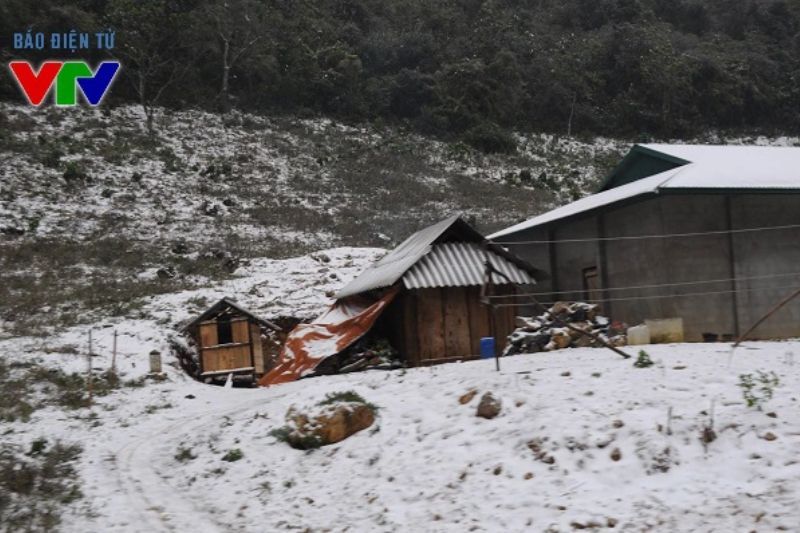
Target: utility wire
[655, 236]
[659, 296]
[653, 286]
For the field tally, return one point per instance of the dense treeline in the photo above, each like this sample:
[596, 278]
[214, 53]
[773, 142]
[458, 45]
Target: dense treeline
[470, 68]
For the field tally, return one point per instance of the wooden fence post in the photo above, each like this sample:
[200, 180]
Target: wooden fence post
[114, 354]
[89, 370]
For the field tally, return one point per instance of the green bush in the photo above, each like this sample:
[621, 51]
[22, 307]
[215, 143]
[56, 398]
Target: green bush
[33, 487]
[489, 138]
[307, 442]
[758, 389]
[185, 454]
[233, 455]
[51, 157]
[643, 360]
[74, 171]
[347, 396]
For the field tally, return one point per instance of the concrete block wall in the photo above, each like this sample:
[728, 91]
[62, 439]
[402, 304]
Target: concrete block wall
[722, 256]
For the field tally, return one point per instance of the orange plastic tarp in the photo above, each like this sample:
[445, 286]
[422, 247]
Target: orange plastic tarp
[309, 344]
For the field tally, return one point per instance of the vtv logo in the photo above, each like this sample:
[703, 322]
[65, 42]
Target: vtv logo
[67, 76]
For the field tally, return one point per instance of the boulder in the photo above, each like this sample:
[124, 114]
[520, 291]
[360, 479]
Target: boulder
[489, 406]
[331, 424]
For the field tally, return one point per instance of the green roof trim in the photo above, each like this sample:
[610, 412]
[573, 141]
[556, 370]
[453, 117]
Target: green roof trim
[640, 162]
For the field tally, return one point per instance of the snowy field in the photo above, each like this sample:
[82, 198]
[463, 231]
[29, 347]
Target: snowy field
[584, 440]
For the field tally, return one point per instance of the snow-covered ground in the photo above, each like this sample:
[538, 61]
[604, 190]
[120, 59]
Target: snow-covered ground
[153, 456]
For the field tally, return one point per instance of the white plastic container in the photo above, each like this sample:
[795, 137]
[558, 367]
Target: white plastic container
[665, 330]
[638, 335]
[155, 362]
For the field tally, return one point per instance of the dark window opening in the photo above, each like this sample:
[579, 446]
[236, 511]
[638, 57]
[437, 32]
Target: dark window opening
[224, 332]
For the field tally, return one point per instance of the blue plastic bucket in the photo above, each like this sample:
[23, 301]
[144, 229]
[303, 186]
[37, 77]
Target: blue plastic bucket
[487, 347]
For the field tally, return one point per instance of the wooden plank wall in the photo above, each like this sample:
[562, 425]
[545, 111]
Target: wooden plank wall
[239, 329]
[208, 334]
[457, 332]
[504, 317]
[226, 357]
[410, 330]
[215, 357]
[430, 324]
[258, 353]
[446, 324]
[479, 322]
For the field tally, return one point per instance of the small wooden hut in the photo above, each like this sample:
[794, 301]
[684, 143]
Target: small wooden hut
[437, 315]
[229, 341]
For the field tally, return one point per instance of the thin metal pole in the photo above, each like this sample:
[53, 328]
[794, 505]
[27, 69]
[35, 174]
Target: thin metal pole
[493, 320]
[485, 298]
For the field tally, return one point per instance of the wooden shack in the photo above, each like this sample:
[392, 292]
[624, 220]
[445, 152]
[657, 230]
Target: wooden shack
[229, 341]
[437, 315]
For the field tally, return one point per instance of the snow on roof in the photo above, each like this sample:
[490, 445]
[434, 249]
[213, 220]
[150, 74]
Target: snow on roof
[394, 264]
[733, 167]
[649, 185]
[708, 167]
[423, 260]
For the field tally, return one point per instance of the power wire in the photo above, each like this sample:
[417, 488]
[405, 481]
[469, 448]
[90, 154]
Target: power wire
[652, 286]
[659, 296]
[654, 236]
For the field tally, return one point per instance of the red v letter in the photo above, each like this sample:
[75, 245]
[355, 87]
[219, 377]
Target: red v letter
[35, 85]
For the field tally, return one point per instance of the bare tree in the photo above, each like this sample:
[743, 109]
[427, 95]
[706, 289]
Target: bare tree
[238, 26]
[151, 48]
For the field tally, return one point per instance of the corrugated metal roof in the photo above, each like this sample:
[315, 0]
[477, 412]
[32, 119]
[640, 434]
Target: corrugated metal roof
[709, 167]
[394, 264]
[460, 264]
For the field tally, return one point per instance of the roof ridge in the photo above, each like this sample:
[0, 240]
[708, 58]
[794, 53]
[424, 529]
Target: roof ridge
[677, 170]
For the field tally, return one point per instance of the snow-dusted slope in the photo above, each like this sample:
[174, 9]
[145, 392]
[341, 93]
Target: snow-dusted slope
[91, 204]
[153, 456]
[204, 177]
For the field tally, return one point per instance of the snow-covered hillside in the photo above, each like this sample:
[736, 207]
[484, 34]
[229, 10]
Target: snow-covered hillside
[206, 178]
[91, 204]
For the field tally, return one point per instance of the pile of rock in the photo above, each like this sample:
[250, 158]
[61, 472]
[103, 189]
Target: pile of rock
[549, 331]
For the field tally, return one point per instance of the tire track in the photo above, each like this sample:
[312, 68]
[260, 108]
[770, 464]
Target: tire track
[161, 506]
